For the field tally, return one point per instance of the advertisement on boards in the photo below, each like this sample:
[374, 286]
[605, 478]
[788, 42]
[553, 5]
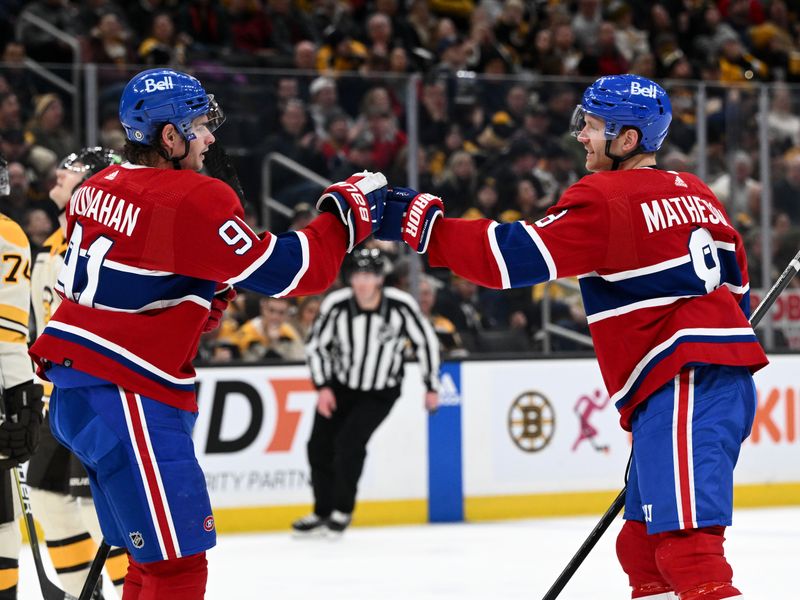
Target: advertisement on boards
[785, 314]
[770, 453]
[548, 426]
[254, 423]
[539, 426]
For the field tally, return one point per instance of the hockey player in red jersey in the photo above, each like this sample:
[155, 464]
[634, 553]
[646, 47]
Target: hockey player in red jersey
[664, 281]
[152, 248]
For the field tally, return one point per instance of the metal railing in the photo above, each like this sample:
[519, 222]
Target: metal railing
[26, 19]
[752, 104]
[766, 203]
[268, 202]
[550, 329]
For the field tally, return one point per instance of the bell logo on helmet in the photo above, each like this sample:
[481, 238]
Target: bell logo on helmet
[151, 85]
[637, 89]
[155, 97]
[627, 101]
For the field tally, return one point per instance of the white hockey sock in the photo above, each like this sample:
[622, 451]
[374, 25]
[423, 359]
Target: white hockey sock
[117, 561]
[68, 542]
[10, 543]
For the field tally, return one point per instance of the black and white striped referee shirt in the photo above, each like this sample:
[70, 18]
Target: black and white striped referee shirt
[366, 349]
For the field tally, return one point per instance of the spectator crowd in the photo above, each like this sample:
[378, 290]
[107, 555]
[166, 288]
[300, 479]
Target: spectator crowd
[326, 83]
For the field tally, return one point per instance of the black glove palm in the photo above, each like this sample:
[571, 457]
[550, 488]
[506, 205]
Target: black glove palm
[19, 432]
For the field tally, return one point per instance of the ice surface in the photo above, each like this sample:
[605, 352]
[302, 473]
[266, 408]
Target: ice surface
[507, 560]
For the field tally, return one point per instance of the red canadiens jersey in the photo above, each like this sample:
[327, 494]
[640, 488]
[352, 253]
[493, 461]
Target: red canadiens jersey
[663, 274]
[146, 250]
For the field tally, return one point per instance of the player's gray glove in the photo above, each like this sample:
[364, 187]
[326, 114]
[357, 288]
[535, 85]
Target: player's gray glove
[19, 432]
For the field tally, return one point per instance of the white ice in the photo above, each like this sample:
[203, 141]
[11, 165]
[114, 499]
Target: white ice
[506, 560]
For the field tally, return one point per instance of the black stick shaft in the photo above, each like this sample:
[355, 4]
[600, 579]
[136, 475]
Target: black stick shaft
[586, 547]
[94, 571]
[788, 274]
[619, 503]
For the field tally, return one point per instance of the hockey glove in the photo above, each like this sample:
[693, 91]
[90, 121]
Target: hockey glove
[19, 432]
[409, 216]
[222, 297]
[358, 203]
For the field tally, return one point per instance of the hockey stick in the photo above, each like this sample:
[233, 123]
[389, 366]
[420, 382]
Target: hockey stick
[50, 591]
[95, 570]
[619, 503]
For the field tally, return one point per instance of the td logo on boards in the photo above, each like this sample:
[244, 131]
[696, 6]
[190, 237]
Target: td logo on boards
[286, 419]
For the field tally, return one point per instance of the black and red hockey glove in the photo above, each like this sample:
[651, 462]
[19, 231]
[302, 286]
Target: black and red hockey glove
[409, 217]
[358, 203]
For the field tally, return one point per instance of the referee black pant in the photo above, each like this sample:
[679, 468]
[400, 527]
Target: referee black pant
[338, 446]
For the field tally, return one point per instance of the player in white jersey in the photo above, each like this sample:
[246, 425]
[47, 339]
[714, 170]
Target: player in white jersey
[59, 487]
[22, 398]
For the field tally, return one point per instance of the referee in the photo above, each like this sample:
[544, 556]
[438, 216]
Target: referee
[356, 352]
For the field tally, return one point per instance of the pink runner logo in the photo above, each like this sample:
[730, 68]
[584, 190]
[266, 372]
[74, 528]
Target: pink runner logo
[584, 407]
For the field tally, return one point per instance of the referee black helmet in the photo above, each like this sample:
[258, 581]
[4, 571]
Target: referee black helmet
[89, 161]
[368, 260]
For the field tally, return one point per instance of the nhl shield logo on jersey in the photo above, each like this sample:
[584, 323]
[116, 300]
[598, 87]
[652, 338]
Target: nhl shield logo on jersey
[208, 523]
[136, 539]
[386, 333]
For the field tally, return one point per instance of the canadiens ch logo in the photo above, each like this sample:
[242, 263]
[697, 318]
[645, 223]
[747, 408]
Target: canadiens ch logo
[208, 523]
[531, 421]
[136, 539]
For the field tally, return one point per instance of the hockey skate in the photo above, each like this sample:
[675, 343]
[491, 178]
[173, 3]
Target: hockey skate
[309, 526]
[337, 523]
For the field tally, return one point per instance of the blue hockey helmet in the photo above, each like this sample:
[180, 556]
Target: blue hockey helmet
[158, 96]
[627, 101]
